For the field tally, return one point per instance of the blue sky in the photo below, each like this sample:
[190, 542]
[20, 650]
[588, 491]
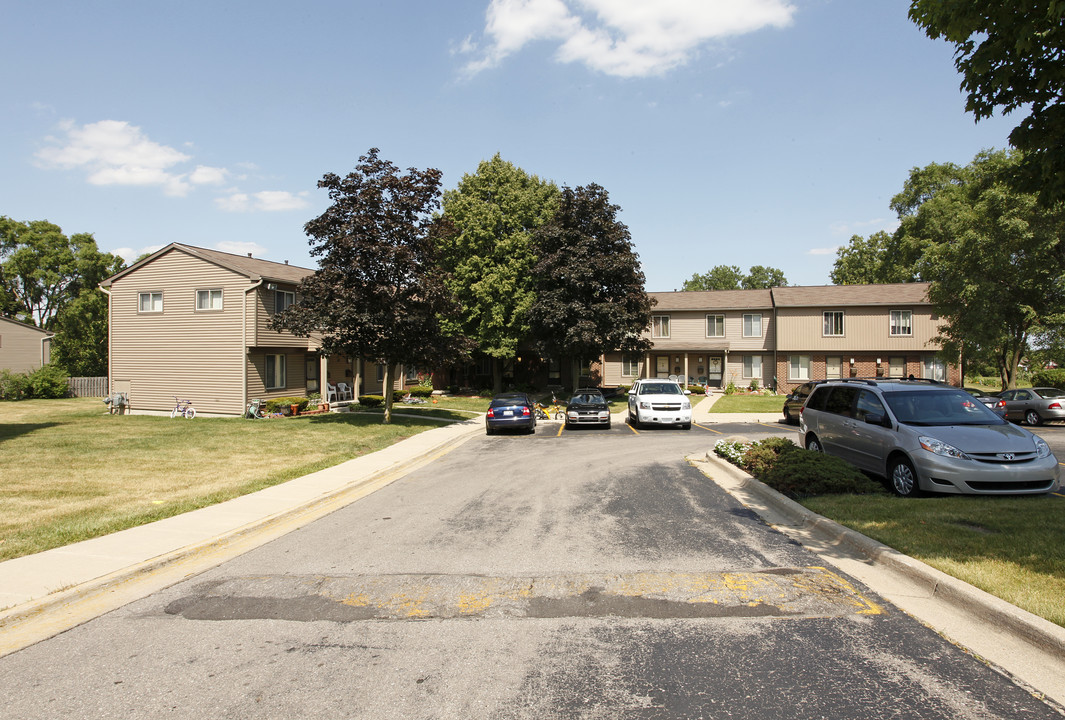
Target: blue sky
[735, 132]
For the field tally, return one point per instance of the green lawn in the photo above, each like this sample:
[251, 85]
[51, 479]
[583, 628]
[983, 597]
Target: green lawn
[1011, 547]
[69, 471]
[747, 404]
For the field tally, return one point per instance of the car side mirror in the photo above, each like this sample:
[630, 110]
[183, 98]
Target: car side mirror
[687, 392]
[878, 419]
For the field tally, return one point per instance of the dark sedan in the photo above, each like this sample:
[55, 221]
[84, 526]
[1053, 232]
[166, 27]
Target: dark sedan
[795, 400]
[587, 407]
[991, 401]
[509, 411]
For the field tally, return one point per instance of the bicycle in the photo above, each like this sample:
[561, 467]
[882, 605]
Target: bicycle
[183, 407]
[555, 411]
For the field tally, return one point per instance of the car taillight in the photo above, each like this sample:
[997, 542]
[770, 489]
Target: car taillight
[525, 412]
[1054, 406]
[491, 413]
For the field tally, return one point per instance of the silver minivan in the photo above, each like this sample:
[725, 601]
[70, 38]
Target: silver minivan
[926, 436]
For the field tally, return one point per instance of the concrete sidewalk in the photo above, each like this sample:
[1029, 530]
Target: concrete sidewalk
[33, 585]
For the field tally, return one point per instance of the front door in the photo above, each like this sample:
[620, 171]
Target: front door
[714, 371]
[662, 366]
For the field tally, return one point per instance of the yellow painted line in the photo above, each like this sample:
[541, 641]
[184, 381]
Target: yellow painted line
[703, 427]
[634, 430]
[775, 426]
[560, 429]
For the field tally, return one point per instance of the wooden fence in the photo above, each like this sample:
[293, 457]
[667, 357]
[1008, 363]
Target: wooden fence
[88, 386]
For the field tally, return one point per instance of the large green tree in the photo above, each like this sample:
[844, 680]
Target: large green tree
[490, 259]
[871, 260]
[80, 342]
[591, 296]
[730, 277]
[43, 270]
[379, 292]
[1011, 56]
[994, 257]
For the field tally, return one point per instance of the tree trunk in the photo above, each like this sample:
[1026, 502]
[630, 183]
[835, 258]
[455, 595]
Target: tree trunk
[497, 375]
[386, 390]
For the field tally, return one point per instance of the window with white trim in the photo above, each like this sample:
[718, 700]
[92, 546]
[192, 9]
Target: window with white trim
[715, 326]
[752, 325]
[935, 369]
[833, 326]
[209, 299]
[798, 367]
[150, 302]
[660, 326]
[275, 372]
[630, 366]
[752, 366]
[282, 299]
[901, 323]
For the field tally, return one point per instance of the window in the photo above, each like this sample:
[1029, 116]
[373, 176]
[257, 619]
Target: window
[897, 367]
[901, 322]
[868, 404]
[715, 326]
[554, 369]
[380, 373]
[935, 369]
[752, 366]
[841, 401]
[660, 326]
[282, 299]
[151, 302]
[275, 372]
[752, 325]
[630, 366]
[411, 374]
[208, 299]
[833, 323]
[799, 367]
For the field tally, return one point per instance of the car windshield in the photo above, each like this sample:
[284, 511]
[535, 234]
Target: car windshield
[660, 389]
[940, 407]
[1050, 392]
[509, 400]
[586, 398]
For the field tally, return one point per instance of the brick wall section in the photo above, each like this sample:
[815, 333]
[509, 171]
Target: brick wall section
[864, 366]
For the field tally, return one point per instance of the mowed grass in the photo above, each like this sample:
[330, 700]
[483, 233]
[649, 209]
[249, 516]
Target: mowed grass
[69, 471]
[748, 404]
[1011, 547]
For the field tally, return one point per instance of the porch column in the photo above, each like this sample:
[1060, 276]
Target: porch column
[323, 376]
[646, 366]
[356, 379]
[685, 369]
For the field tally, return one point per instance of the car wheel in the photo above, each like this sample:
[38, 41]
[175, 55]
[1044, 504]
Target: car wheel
[687, 426]
[903, 478]
[1032, 418]
[813, 444]
[787, 417]
[489, 431]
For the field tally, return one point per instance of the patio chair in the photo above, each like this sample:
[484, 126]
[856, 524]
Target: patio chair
[344, 392]
[331, 395]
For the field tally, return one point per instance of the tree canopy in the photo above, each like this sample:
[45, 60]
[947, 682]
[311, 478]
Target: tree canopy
[379, 292]
[490, 259]
[1011, 56]
[730, 277]
[591, 298]
[992, 253]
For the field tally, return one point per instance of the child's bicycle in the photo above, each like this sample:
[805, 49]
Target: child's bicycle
[183, 407]
[555, 410]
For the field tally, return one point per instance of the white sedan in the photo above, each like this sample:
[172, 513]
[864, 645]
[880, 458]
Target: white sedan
[659, 402]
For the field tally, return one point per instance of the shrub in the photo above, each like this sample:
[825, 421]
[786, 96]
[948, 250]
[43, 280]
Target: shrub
[14, 386]
[371, 401]
[486, 393]
[730, 389]
[754, 386]
[804, 473]
[762, 456]
[421, 391]
[697, 389]
[1049, 378]
[282, 404]
[49, 382]
[452, 389]
[624, 389]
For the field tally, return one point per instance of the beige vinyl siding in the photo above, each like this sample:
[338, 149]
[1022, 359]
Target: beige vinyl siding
[612, 369]
[688, 329]
[263, 312]
[21, 347]
[194, 355]
[865, 328]
[295, 374]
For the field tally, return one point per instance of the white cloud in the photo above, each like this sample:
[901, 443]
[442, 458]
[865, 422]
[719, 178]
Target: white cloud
[265, 201]
[862, 227]
[204, 175]
[115, 153]
[130, 255]
[241, 248]
[626, 38]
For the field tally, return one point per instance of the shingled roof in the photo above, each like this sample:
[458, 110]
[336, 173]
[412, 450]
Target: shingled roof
[253, 268]
[713, 300]
[798, 296]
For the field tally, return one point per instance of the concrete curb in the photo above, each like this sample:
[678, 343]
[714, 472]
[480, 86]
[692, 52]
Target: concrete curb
[1035, 630]
[50, 610]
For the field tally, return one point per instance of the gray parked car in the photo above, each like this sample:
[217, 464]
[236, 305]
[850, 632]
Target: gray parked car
[1034, 405]
[925, 436]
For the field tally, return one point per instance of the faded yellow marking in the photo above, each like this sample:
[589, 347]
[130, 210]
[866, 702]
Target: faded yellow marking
[357, 600]
[864, 605]
[703, 427]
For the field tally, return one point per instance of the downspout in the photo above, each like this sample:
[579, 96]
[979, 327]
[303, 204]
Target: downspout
[107, 292]
[244, 349]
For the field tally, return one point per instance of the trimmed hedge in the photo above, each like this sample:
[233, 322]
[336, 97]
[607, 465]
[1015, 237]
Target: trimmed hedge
[371, 401]
[795, 472]
[47, 382]
[282, 404]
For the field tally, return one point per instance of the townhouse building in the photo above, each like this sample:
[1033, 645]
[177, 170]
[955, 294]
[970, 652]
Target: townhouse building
[784, 337]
